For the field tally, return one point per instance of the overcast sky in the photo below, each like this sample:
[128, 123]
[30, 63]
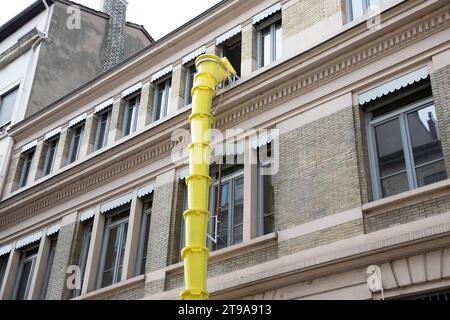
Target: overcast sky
[158, 17]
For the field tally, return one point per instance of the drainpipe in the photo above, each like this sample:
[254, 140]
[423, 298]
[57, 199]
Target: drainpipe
[211, 71]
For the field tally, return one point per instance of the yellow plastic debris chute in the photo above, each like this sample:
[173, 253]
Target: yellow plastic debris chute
[211, 71]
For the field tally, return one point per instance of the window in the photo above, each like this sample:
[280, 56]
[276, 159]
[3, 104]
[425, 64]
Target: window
[101, 136]
[232, 50]
[7, 103]
[131, 115]
[87, 235]
[184, 208]
[143, 240]
[48, 268]
[228, 207]
[50, 154]
[25, 274]
[113, 248]
[162, 98]
[266, 208]
[190, 73]
[270, 36]
[358, 8]
[3, 265]
[75, 143]
[406, 150]
[26, 161]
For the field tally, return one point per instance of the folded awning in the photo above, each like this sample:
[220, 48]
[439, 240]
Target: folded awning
[266, 13]
[229, 34]
[5, 250]
[29, 240]
[193, 55]
[117, 203]
[29, 146]
[262, 140]
[394, 85]
[77, 120]
[53, 229]
[132, 89]
[86, 215]
[102, 106]
[145, 191]
[161, 73]
[52, 134]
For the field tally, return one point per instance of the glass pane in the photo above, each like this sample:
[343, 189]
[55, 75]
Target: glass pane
[25, 278]
[269, 224]
[431, 173]
[111, 256]
[26, 168]
[159, 102]
[238, 201]
[122, 251]
[223, 216]
[357, 8]
[237, 234]
[190, 84]
[167, 98]
[3, 263]
[7, 103]
[266, 49]
[391, 158]
[279, 43]
[424, 132]
[268, 199]
[394, 184]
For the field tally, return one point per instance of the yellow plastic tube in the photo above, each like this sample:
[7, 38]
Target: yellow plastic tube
[211, 71]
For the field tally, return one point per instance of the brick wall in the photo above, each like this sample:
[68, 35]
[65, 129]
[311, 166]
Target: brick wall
[57, 289]
[318, 173]
[407, 214]
[322, 237]
[440, 84]
[115, 36]
[305, 13]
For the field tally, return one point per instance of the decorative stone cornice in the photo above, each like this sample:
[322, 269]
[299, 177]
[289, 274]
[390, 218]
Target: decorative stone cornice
[335, 69]
[294, 82]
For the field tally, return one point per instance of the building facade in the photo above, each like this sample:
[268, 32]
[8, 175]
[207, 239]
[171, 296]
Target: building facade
[332, 96]
[50, 49]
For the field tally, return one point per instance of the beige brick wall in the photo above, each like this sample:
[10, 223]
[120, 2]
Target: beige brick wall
[57, 288]
[322, 237]
[440, 84]
[407, 214]
[305, 13]
[318, 173]
[146, 106]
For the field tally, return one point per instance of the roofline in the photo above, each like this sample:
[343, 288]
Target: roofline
[38, 6]
[23, 17]
[120, 64]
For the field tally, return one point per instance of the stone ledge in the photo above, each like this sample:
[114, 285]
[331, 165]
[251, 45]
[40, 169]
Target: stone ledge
[118, 287]
[407, 198]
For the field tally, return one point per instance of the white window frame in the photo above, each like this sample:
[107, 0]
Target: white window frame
[82, 262]
[72, 150]
[7, 92]
[349, 9]
[98, 138]
[271, 24]
[400, 114]
[48, 267]
[146, 218]
[164, 108]
[188, 88]
[123, 225]
[28, 158]
[23, 261]
[49, 160]
[213, 225]
[131, 118]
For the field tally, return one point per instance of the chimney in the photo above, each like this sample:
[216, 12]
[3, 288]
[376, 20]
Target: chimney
[115, 33]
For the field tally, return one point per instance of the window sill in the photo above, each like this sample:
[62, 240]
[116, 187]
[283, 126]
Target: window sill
[233, 251]
[118, 287]
[407, 198]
